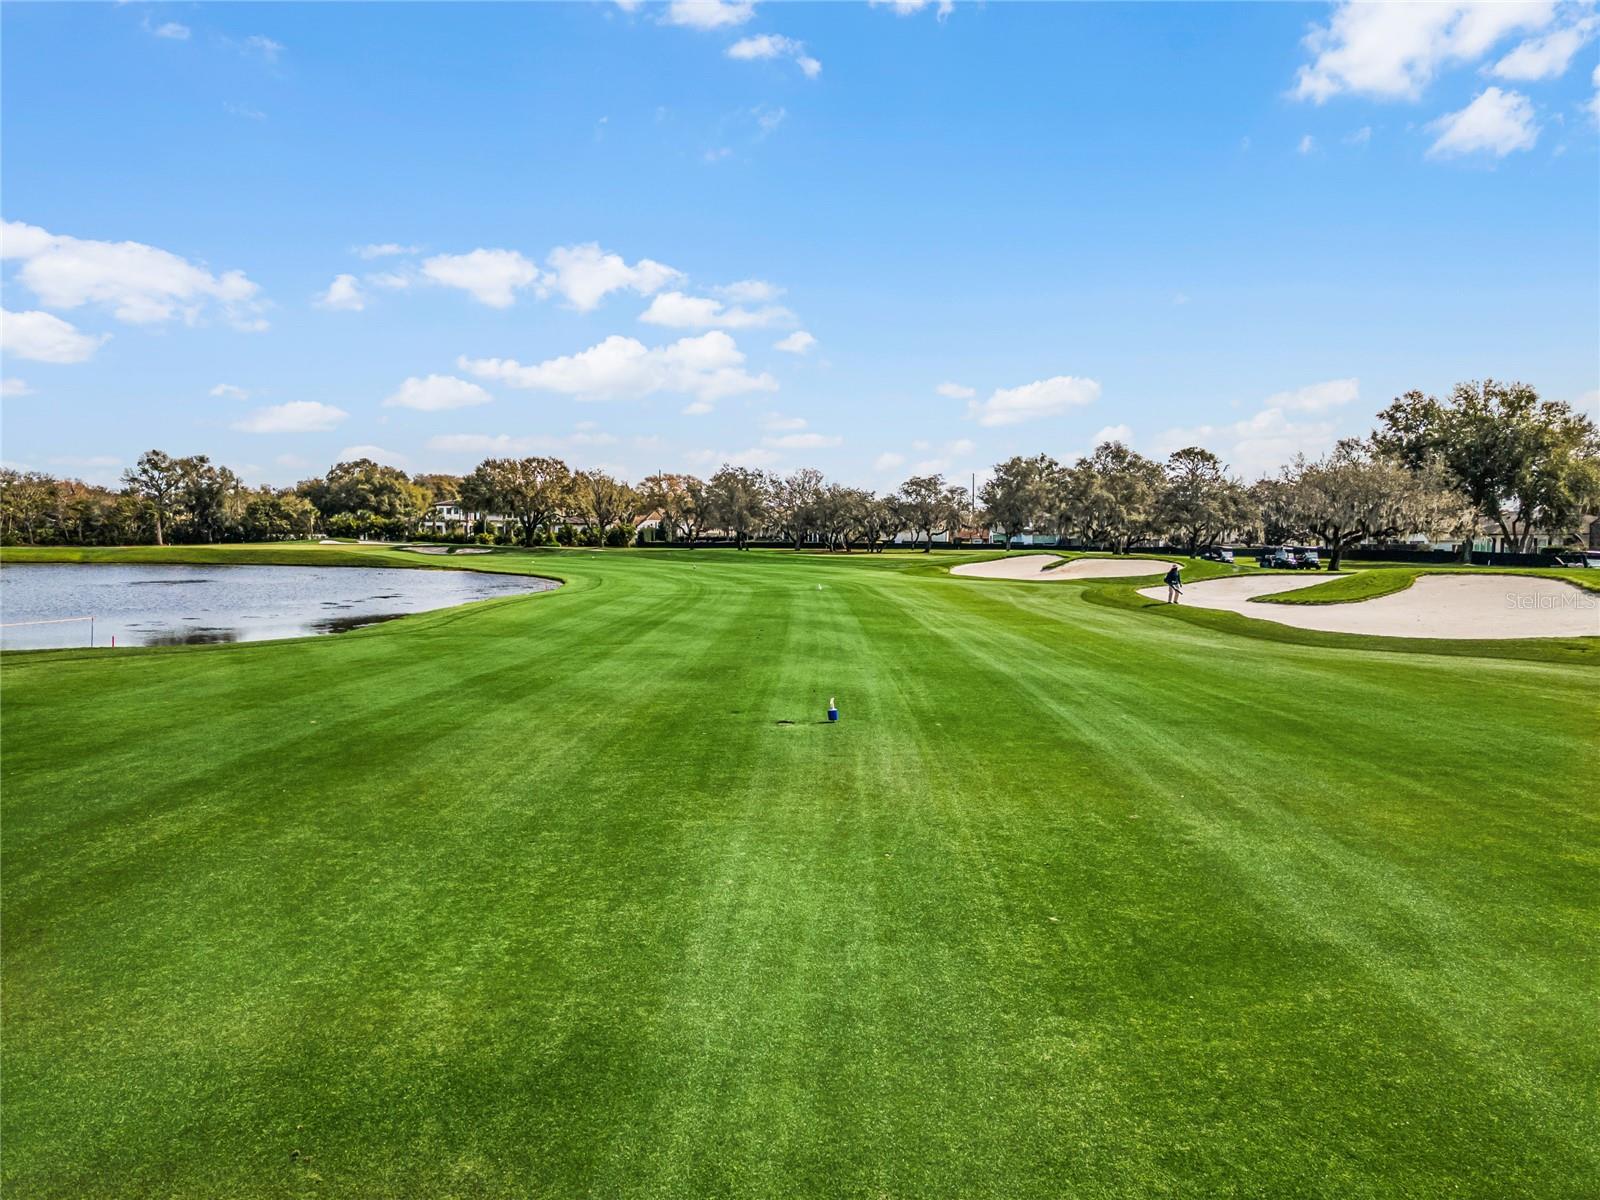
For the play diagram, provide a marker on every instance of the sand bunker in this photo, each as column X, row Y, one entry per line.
column 1032, row 566
column 447, row 549
column 1435, row 606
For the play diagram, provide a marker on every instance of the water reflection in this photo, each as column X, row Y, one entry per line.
column 346, row 624
column 43, row 606
column 190, row 637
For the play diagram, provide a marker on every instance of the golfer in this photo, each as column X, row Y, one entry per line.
column 1174, row 585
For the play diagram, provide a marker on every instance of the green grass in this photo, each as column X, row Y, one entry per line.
column 1346, row 589
column 1367, row 583
column 538, row 898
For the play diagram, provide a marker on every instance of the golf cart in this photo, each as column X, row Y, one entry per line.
column 1219, row 554
column 1289, row 558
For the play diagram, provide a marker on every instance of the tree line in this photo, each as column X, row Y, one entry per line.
column 1488, row 452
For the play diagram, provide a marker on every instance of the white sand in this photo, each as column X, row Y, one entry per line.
column 447, row 549
column 1032, row 566
column 1435, row 606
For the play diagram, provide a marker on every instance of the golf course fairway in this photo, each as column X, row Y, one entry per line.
column 579, row 894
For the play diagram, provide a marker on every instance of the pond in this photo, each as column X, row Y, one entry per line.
column 42, row 606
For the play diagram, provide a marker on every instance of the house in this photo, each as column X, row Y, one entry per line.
column 1490, row 540
column 647, row 527
column 1032, row 536
column 913, row 537
column 448, row 516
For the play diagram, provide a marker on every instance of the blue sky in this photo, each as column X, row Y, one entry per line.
column 870, row 238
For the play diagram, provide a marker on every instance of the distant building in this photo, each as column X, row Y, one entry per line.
column 910, row 537
column 1031, row 536
column 648, row 525
column 449, row 517
column 1490, row 540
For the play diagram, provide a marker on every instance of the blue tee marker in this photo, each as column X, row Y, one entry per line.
column 833, row 710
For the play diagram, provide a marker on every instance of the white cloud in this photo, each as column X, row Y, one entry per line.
column 1112, row 433
column 1593, row 106
column 482, row 443
column 343, row 293
column 904, row 8
column 956, row 391
column 1393, row 50
column 1257, row 445
column 490, row 277
column 755, row 456
column 768, row 119
column 802, row 441
column 717, row 154
column 227, row 391
column 1496, row 122
column 888, row 461
column 1317, row 397
column 585, row 275
column 750, row 291
column 709, row 14
column 395, row 281
column 375, row 453
column 86, row 460
column 947, row 457
column 11, row 387
column 674, row 310
column 1359, row 137
column 1033, row 401
column 170, row 29
column 775, row 45
column 707, row 367
column 780, row 422
column 384, row 250
column 436, row 393
column 1546, row 57
column 1300, row 421
column 140, row 283
column 297, row 416
column 798, row 342
column 245, row 111
column 504, row 443
column 1307, row 144
column 43, row 338
column 264, row 46
column 696, row 408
